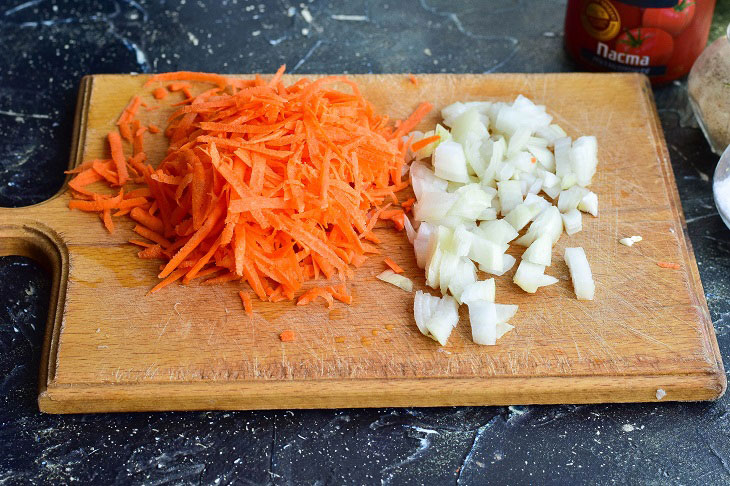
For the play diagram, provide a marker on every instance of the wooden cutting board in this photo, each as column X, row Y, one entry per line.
column 110, row 348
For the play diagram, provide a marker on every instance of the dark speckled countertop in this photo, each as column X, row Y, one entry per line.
column 45, row 48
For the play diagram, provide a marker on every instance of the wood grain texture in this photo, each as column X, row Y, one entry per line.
column 110, row 348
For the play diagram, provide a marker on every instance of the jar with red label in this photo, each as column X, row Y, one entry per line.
column 660, row 38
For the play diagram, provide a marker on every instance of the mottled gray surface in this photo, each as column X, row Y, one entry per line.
column 47, row 46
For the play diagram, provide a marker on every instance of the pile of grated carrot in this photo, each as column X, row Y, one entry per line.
column 269, row 184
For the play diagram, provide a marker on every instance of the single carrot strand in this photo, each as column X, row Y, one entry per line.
column 115, row 144
column 144, row 218
column 393, row 266
column 424, row 142
column 413, row 80
column 413, row 120
column 176, row 275
column 246, row 300
column 674, row 266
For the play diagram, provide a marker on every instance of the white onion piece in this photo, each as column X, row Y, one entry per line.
column 529, row 277
column 449, row 162
column 562, row 156
column 410, row 232
column 568, row 181
column 570, row 198
column 535, row 187
column 580, row 273
column 584, row 159
column 439, row 238
column 488, row 214
column 424, row 180
column 444, row 319
column 539, row 200
column 452, row 111
column 499, row 231
column 420, row 244
column 518, row 141
column 505, row 312
column 540, row 251
column 544, row 156
column 399, row 281
column 505, row 172
column 487, row 254
column 548, row 222
column 573, row 221
column 493, row 152
column 448, row 268
column 461, row 241
column 483, row 318
column 471, row 202
column 432, row 207
column 508, row 261
column 538, row 142
column 465, row 275
column 523, row 162
column 589, row 204
column 522, row 214
column 510, row 195
column 482, row 290
column 424, row 305
column 503, row 328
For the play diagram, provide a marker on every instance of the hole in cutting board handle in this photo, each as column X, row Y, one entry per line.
column 43, row 245
column 78, row 135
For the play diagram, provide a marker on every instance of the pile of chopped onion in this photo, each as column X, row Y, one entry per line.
column 495, row 169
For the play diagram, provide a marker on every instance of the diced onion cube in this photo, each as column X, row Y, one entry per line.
column 580, row 273
column 573, row 221
column 449, row 162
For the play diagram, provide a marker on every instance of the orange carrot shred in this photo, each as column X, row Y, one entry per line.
column 287, row 336
column 115, row 143
column 424, row 142
column 393, row 266
column 413, row 80
column 246, row 300
column 674, row 266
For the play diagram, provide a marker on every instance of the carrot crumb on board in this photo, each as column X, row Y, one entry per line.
column 263, row 183
column 246, row 301
column 675, row 266
column 287, row 336
column 375, row 332
column 397, row 216
column 408, row 204
column 159, row 93
column 413, row 80
column 339, row 339
column 389, row 327
column 393, row 266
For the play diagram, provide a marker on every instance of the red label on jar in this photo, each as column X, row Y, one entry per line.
column 660, row 38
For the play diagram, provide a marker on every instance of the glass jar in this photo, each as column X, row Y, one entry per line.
column 709, row 92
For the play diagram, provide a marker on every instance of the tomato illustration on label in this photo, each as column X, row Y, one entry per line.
column 672, row 19
column 649, row 42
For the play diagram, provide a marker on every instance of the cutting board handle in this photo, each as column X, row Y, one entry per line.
column 21, row 235
column 28, row 232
